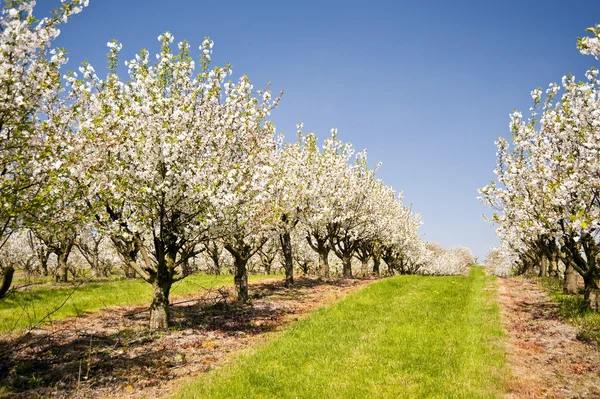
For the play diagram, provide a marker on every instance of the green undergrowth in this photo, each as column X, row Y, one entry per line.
column 24, row 309
column 402, row 337
column 572, row 309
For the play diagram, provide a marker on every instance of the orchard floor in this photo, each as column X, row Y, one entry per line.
column 112, row 354
column 546, row 358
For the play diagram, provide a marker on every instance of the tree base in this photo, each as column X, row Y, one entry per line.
column 570, row 283
column 592, row 299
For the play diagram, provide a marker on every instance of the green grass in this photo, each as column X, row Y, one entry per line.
column 403, row 337
column 24, row 309
column 572, row 309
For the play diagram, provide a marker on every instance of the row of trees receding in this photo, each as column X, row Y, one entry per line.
column 173, row 160
column 548, row 188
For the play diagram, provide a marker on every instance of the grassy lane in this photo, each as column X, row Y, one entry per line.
column 24, row 309
column 408, row 336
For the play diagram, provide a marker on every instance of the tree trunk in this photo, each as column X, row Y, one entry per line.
column 44, row 265
column 554, row 265
column 528, row 268
column 94, row 267
column 286, row 246
column 7, row 277
column 324, row 263
column 347, row 264
column 592, row 293
column 305, row 268
column 570, row 280
column 130, row 259
column 129, row 271
column 241, row 279
column 592, row 299
column 62, row 266
column 376, row 262
column 160, row 313
column 543, row 267
column 364, row 266
column 216, row 264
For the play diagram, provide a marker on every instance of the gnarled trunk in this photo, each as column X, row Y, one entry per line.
column 160, row 312
column 215, row 255
column 44, row 264
column 241, row 279
column 129, row 271
column 570, row 280
column 347, row 267
column 7, row 277
column 528, row 268
column 364, row 267
column 324, row 263
column 376, row 262
column 592, row 299
column 554, row 265
column 543, row 267
column 63, row 268
column 286, row 246
column 320, row 246
column 592, row 293
column 162, row 280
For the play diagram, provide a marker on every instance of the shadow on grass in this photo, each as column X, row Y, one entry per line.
column 573, row 309
column 115, row 349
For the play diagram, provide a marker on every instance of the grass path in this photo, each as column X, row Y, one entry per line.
column 24, row 309
column 407, row 336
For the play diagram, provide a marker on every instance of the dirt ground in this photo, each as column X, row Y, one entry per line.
column 546, row 358
column 112, row 354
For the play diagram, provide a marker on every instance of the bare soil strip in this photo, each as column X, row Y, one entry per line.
column 112, row 354
column 547, row 359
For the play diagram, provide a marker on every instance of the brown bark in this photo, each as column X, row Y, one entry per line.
column 286, row 246
column 364, row 267
column 554, row 265
column 44, row 264
column 592, row 293
column 63, row 268
column 347, row 267
column 324, row 263
column 159, row 309
column 241, row 279
column 129, row 271
column 528, row 268
column 344, row 248
column 592, row 299
column 7, row 277
column 162, row 279
column 543, row 267
column 570, row 280
column 215, row 254
column 241, row 253
column 320, row 246
column 376, row 262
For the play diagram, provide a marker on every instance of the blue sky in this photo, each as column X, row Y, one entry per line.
column 425, row 86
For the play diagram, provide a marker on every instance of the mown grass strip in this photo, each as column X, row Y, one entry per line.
column 404, row 337
column 22, row 310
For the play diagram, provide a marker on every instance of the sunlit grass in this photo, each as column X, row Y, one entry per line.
column 404, row 337
column 24, row 309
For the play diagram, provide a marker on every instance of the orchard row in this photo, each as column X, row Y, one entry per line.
column 173, row 160
column 548, row 189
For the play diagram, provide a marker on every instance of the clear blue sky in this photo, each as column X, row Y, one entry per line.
column 426, row 86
